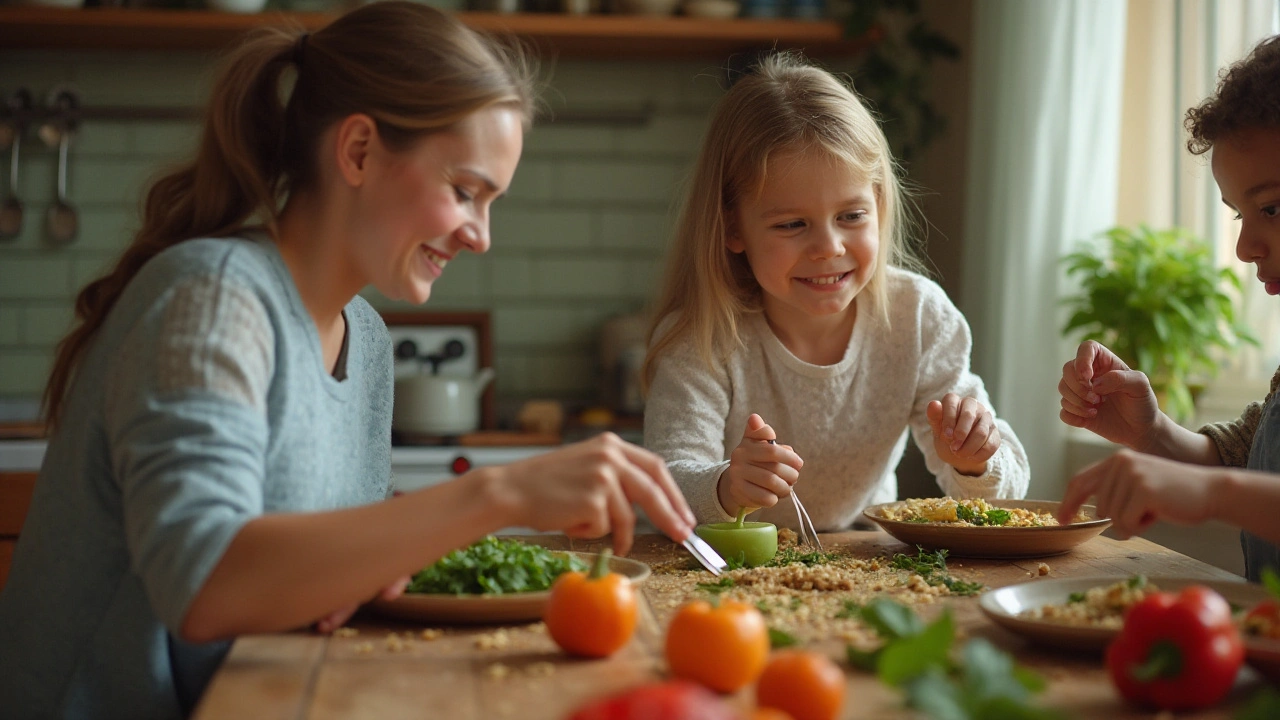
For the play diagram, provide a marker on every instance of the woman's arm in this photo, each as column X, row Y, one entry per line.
column 283, row 571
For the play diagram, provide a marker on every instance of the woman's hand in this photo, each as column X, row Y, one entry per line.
column 1101, row 394
column 965, row 435
column 338, row 618
column 759, row 472
column 587, row 489
column 1135, row 490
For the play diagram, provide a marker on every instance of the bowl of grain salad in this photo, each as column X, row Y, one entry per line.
column 974, row 527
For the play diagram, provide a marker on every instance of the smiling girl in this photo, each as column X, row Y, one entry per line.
column 221, row 451
column 787, row 300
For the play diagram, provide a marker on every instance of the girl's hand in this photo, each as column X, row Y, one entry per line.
column 965, row 435
column 1101, row 394
column 759, row 472
column 338, row 618
column 587, row 490
column 1135, row 490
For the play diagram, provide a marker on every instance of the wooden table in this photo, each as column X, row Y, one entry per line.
column 297, row 675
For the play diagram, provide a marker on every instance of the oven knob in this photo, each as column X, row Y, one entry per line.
column 460, row 465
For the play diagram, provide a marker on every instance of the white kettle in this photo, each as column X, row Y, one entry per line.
column 439, row 404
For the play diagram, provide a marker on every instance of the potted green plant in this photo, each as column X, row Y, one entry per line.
column 1157, row 300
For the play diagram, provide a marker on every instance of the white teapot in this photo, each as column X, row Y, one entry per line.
column 435, row 404
column 440, row 404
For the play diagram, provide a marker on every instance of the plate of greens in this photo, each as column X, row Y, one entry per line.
column 495, row 580
column 986, row 528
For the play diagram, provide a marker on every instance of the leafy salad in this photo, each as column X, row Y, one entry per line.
column 494, row 566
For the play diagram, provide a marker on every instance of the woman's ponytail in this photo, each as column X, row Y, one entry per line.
column 236, row 175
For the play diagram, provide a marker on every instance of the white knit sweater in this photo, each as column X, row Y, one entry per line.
column 848, row 421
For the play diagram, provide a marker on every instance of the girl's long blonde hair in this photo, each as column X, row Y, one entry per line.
column 784, row 104
column 413, row 69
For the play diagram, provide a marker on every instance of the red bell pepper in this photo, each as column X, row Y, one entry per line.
column 1176, row 652
column 675, row 700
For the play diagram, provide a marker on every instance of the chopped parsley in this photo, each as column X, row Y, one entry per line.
column 932, row 566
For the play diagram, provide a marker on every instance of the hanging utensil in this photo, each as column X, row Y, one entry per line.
column 19, row 104
column 62, row 223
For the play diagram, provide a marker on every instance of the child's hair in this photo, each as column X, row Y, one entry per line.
column 1247, row 96
column 413, row 69
column 784, row 104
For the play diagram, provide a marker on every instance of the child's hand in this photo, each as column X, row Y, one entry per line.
column 965, row 435
column 1135, row 490
column 759, row 472
column 1101, row 394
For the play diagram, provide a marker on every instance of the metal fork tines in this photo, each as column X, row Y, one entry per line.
column 705, row 554
column 809, row 536
column 802, row 515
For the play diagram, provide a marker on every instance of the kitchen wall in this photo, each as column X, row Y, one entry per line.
column 579, row 238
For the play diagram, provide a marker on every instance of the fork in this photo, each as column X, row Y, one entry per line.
column 802, row 517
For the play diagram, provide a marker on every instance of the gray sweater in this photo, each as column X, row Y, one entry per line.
column 848, row 421
column 202, row 403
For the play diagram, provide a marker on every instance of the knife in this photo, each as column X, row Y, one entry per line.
column 705, row 554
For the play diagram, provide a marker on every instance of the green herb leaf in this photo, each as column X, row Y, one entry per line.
column 1264, row 705
column 891, row 620
column 1137, row 581
column 1271, row 581
column 494, row 566
column 851, row 610
column 717, row 587
column 862, row 659
column 1076, row 597
column 936, row 696
column 781, row 638
column 911, row 656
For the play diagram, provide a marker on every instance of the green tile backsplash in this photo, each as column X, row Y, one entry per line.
column 578, row 239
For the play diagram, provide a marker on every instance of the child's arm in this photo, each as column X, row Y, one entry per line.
column 945, row 382
column 1101, row 394
column 1136, row 489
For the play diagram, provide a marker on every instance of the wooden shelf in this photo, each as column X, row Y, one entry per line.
column 592, row 36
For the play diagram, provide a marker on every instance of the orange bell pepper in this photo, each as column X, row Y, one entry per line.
column 592, row 614
column 722, row 647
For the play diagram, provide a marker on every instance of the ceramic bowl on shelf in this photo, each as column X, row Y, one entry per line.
column 722, row 9
column 649, row 7
column 238, row 6
column 54, row 3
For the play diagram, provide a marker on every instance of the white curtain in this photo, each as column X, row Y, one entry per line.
column 1044, row 150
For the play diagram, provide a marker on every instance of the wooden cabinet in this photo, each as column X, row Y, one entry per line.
column 15, row 498
column 603, row 37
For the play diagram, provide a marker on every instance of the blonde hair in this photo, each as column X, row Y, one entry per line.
column 414, row 69
column 785, row 104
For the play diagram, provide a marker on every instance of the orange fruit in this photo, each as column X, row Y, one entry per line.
column 805, row 685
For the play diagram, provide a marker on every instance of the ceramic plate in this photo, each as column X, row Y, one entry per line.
column 491, row 609
column 1005, row 607
column 993, row 542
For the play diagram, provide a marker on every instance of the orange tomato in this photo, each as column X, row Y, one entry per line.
column 722, row 647
column 806, row 685
column 765, row 713
column 591, row 614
